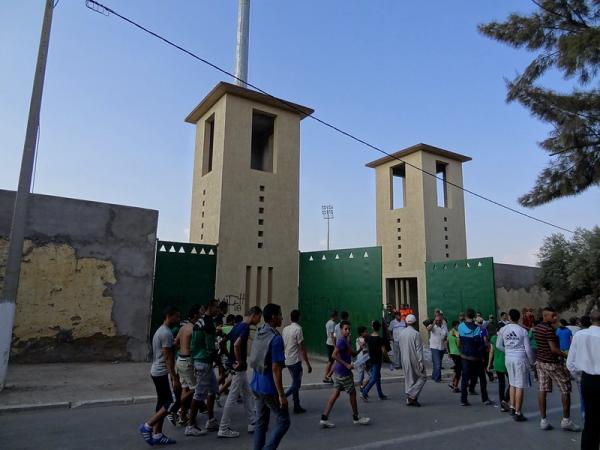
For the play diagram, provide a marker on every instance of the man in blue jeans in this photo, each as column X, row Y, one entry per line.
column 437, row 344
column 376, row 346
column 267, row 359
column 293, row 340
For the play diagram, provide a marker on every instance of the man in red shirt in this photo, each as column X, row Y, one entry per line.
column 551, row 367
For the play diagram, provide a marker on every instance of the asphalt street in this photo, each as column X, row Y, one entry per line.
column 439, row 423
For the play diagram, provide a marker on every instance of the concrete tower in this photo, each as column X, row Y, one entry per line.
column 246, row 192
column 419, row 219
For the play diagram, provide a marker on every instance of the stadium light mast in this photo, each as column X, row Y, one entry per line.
column 327, row 211
column 241, row 49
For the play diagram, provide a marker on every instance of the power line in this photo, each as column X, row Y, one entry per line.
column 104, row 10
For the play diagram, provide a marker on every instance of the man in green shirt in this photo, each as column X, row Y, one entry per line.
column 454, row 353
column 496, row 361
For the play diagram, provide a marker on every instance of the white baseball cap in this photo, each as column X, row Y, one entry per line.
column 411, row 318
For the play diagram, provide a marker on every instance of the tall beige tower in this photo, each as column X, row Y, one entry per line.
column 419, row 219
column 246, row 192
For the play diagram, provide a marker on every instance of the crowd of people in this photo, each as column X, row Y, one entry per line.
column 205, row 358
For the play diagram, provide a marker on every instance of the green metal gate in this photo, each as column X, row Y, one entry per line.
column 347, row 279
column 454, row 286
column 184, row 275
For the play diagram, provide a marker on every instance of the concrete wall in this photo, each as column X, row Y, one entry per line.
column 516, row 287
column 85, row 290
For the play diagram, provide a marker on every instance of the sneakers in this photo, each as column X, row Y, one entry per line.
column 171, row 417
column 568, row 425
column 412, row 402
column 362, row 421
column 383, row 397
column 512, row 411
column 489, row 402
column 228, row 433
column 251, row 428
column 327, row 380
column 146, row 433
column 212, row 425
column 519, row 417
column 326, row 424
column 194, row 430
column 465, row 404
column 163, row 440
column 364, row 397
column 299, row 410
column 545, row 425
column 504, row 407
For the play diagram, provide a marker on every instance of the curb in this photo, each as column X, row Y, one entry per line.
column 142, row 399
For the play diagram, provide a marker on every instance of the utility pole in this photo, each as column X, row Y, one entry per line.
column 243, row 36
column 19, row 218
column 327, row 211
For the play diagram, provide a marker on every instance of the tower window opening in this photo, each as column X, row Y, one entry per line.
column 209, row 139
column 263, row 127
column 441, row 184
column 398, row 193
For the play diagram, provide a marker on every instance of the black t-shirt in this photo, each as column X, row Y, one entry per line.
column 374, row 343
column 241, row 330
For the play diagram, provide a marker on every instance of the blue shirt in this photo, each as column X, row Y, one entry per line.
column 345, row 353
column 471, row 340
column 242, row 331
column 264, row 383
column 564, row 338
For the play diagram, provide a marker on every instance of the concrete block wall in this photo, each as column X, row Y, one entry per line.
column 85, row 290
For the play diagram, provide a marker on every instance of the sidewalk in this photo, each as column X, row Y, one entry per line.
column 72, row 385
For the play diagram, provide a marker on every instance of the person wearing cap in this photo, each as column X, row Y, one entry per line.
column 413, row 363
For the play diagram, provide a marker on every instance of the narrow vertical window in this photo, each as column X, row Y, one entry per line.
column 263, row 127
column 398, row 191
column 209, row 139
column 270, row 285
column 441, row 185
column 248, row 282
column 258, row 284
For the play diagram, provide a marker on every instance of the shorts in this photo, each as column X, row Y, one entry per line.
column 184, row 367
column 456, row 359
column 518, row 372
column 548, row 372
column 344, row 383
column 206, row 381
column 330, row 349
column 165, row 397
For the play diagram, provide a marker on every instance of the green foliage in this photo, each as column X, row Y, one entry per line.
column 564, row 35
column 570, row 270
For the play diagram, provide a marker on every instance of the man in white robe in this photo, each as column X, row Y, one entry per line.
column 413, row 363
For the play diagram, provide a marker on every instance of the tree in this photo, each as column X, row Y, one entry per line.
column 570, row 270
column 565, row 36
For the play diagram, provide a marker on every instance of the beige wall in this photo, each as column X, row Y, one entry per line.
column 232, row 202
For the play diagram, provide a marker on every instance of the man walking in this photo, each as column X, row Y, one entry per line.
column 551, row 368
column 238, row 337
column 163, row 365
column 413, row 363
column 293, row 341
column 514, row 341
column 330, row 344
column 454, row 353
column 267, row 359
column 185, row 365
column 437, row 344
column 472, row 347
column 396, row 327
column 376, row 346
column 584, row 360
column 204, row 354
column 343, row 379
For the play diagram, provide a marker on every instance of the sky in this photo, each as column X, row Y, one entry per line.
column 394, row 73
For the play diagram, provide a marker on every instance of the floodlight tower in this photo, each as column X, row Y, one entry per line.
column 327, row 211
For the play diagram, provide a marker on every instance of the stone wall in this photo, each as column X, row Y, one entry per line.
column 516, row 287
column 85, row 291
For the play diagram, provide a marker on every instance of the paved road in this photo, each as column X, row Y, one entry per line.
column 440, row 423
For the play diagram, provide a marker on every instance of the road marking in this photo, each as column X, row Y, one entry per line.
column 443, row 431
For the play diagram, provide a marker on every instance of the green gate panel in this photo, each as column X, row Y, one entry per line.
column 184, row 276
column 455, row 285
column 346, row 279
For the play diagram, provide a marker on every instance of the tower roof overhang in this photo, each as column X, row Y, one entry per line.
column 224, row 88
column 417, row 148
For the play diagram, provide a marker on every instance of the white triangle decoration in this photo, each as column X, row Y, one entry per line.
column 479, row 264
column 311, row 259
column 181, row 250
column 172, row 249
column 202, row 251
column 337, row 256
column 194, row 252
column 211, row 252
column 162, row 249
column 366, row 255
column 351, row 256
column 468, row 265
column 323, row 258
